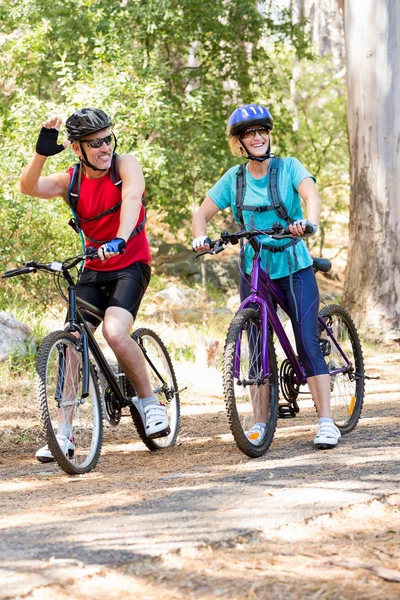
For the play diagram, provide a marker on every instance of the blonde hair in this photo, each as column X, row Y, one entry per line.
column 235, row 146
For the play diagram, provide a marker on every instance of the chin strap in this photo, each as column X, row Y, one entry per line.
column 85, row 161
column 251, row 156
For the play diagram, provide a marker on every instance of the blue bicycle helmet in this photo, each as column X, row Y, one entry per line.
column 247, row 116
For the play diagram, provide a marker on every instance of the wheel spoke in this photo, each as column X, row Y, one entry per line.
column 64, row 412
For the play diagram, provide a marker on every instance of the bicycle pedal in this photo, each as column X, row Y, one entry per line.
column 160, row 434
column 285, row 411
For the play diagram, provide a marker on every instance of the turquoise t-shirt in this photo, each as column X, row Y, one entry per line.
column 291, row 174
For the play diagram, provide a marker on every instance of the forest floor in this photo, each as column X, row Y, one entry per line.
column 201, row 520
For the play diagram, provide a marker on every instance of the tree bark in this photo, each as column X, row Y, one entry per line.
column 372, row 281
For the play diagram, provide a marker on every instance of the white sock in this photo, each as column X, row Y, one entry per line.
column 65, row 429
column 150, row 400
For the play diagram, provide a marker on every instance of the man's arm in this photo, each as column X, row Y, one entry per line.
column 32, row 183
column 132, row 192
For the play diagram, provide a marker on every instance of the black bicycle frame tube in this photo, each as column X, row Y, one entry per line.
column 99, row 357
column 76, row 322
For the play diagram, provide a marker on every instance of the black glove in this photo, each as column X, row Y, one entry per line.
column 47, row 142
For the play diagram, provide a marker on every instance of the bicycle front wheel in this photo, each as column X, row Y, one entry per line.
column 347, row 387
column 251, row 399
column 163, row 380
column 64, row 413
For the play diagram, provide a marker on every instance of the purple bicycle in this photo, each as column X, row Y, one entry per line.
column 251, row 372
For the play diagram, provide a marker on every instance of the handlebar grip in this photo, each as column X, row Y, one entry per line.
column 91, row 253
column 16, row 272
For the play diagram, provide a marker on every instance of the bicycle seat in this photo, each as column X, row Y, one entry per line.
column 322, row 264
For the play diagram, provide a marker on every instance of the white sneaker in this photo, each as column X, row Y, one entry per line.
column 67, row 446
column 327, row 436
column 156, row 420
column 256, row 433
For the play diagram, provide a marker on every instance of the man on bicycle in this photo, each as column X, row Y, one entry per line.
column 289, row 264
column 112, row 217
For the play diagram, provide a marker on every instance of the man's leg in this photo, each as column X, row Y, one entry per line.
column 117, row 326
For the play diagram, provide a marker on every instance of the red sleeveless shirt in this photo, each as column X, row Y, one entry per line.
column 96, row 196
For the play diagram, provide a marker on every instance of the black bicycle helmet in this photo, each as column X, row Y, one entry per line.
column 85, row 122
column 249, row 115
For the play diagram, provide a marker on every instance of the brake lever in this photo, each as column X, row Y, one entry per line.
column 279, row 236
column 218, row 247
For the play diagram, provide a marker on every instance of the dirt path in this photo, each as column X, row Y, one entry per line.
column 201, row 520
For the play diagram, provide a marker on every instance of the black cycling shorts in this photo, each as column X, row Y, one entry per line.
column 124, row 288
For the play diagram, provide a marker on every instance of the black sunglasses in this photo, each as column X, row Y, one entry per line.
column 251, row 132
column 98, row 142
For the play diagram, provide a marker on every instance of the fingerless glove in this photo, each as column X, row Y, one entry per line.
column 46, row 144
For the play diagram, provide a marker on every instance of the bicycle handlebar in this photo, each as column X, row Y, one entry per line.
column 276, row 232
column 53, row 267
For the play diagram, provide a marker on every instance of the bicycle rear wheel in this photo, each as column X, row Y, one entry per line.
column 249, row 399
column 347, row 388
column 62, row 410
column 163, row 380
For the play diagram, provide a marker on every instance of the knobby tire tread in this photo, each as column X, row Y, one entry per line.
column 148, row 442
column 328, row 311
column 243, row 443
column 44, row 414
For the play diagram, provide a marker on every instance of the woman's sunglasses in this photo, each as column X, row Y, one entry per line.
column 250, row 132
column 98, row 142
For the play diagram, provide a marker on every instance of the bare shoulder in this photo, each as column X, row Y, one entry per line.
column 130, row 171
column 127, row 162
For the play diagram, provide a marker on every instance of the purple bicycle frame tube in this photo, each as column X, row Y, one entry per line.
column 267, row 310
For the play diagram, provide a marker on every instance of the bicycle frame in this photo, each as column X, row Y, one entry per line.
column 88, row 342
column 263, row 293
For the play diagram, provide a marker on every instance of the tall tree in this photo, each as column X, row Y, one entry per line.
column 372, row 286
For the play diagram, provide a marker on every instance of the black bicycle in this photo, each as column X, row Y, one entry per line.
column 77, row 386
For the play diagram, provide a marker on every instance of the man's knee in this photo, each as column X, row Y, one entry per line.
column 116, row 335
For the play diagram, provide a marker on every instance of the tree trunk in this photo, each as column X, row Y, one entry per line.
column 372, row 282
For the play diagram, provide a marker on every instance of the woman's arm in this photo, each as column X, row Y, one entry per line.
column 203, row 215
column 309, row 194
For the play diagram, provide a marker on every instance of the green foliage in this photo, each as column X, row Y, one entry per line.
column 170, row 74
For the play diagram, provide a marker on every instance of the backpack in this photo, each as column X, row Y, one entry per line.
column 273, row 193
column 73, row 198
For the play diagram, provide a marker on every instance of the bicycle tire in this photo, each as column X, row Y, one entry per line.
column 167, row 394
column 239, row 402
column 54, row 373
column 347, row 389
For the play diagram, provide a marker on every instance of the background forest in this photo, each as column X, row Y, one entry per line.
column 170, row 74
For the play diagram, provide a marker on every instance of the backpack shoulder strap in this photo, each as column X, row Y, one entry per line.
column 74, row 187
column 274, row 192
column 114, row 173
column 240, row 191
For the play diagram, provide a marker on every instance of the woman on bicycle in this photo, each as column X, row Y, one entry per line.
column 288, row 263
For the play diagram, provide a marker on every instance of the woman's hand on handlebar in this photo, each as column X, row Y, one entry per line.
column 202, row 243
column 302, row 227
